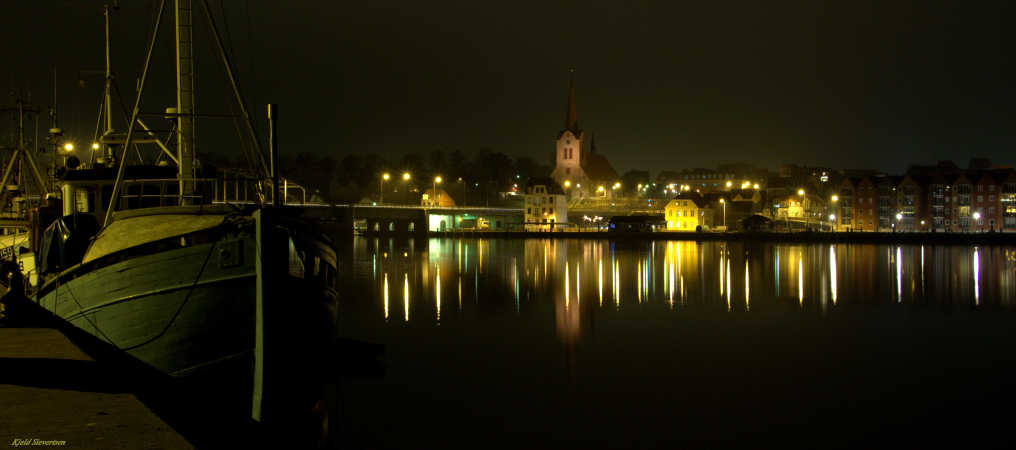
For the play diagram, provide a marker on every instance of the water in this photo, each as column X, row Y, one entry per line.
column 511, row 343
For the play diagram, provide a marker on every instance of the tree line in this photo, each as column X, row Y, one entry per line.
column 470, row 178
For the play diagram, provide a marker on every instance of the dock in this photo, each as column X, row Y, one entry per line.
column 52, row 394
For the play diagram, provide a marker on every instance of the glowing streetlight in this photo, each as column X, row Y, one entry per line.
column 384, row 177
column 95, row 145
column 729, row 184
column 977, row 216
column 69, row 147
column 899, row 216
column 800, row 192
column 617, row 185
column 724, row 203
column 433, row 191
column 567, row 184
column 755, row 186
column 836, row 198
column 832, row 217
column 405, row 176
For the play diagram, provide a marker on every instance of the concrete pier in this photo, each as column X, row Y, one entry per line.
column 52, row 392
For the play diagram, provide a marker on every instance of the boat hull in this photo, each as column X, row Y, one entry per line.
column 178, row 311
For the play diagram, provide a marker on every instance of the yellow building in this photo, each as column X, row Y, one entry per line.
column 688, row 212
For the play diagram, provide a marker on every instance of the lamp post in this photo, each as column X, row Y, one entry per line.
column 977, row 218
column 433, row 191
column 406, row 177
column 384, row 177
column 834, row 199
column 463, row 191
column 724, row 203
column 899, row 217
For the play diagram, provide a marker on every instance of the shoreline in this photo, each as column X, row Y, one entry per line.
column 804, row 237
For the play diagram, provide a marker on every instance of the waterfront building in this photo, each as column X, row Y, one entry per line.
column 689, row 211
column 545, row 205
column 580, row 172
column 442, row 200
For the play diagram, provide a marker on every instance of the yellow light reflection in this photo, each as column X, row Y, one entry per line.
column 567, row 299
column 405, row 295
column 386, row 296
column 832, row 271
column 638, row 281
column 747, row 287
column 437, row 293
column 728, row 285
column 721, row 272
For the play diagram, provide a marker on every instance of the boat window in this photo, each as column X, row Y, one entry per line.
column 84, row 199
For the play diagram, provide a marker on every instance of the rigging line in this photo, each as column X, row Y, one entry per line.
column 80, row 308
column 172, row 320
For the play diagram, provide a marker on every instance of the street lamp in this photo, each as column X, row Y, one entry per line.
column 405, row 176
column 836, row 198
column 433, row 191
column 832, row 221
column 567, row 184
column 729, row 184
column 384, row 177
column 977, row 217
column 69, row 147
column 724, row 203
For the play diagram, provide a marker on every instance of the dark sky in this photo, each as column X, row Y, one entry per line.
column 665, row 85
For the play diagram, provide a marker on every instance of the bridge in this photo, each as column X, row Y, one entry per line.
column 409, row 220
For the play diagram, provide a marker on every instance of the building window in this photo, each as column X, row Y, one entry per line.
column 980, row 198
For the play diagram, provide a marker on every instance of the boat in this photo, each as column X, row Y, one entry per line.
column 158, row 264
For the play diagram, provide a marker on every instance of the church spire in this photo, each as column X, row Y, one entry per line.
column 571, row 121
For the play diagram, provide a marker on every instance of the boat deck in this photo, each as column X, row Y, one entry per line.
column 52, row 391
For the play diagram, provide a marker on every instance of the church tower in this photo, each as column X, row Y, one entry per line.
column 570, row 149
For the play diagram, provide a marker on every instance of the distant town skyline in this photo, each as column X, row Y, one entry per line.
column 667, row 85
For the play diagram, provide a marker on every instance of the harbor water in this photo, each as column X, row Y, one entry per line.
column 540, row 342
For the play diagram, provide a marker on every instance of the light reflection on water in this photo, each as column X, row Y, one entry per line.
column 660, row 339
column 531, row 275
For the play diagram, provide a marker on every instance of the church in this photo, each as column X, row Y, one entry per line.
column 577, row 170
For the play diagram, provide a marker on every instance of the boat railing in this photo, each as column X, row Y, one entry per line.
column 236, row 189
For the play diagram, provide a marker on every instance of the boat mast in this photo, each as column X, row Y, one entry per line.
column 108, row 94
column 185, row 100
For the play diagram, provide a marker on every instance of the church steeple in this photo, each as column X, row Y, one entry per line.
column 571, row 120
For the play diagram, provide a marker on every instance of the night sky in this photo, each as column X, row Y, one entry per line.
column 664, row 85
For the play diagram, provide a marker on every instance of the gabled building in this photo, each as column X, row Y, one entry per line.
column 581, row 171
column 545, row 206
column 689, row 211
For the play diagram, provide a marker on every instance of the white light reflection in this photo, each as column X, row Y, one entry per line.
column 977, row 276
column 800, row 282
column 617, row 285
column 899, row 275
column 832, row 271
